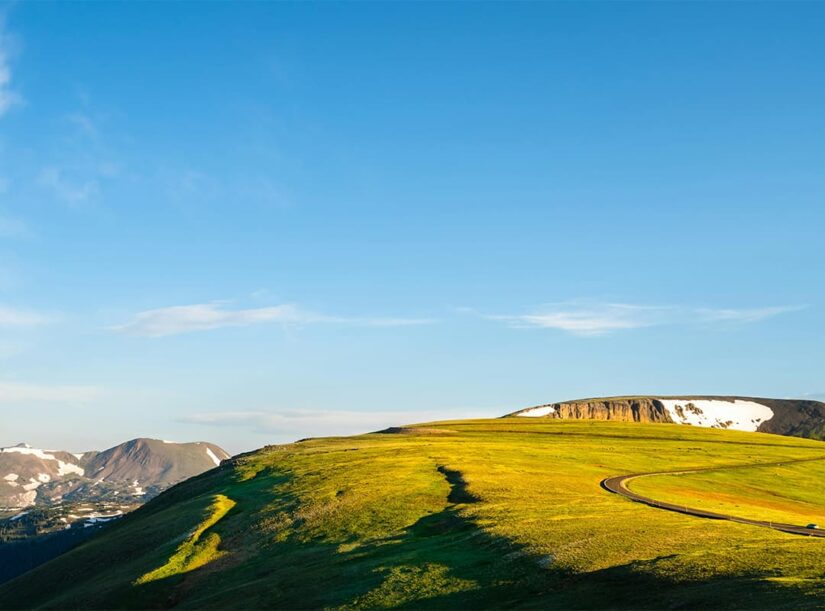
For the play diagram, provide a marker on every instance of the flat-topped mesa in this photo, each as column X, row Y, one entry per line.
column 622, row 410
column 798, row 418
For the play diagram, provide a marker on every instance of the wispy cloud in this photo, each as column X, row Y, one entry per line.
column 593, row 319
column 72, row 191
column 84, row 122
column 293, row 424
column 188, row 184
column 12, row 392
column 746, row 315
column 14, row 317
column 8, row 96
column 586, row 320
column 192, row 188
column 206, row 316
column 85, row 165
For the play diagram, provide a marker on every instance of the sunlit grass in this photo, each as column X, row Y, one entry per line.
column 793, row 493
column 367, row 522
column 197, row 550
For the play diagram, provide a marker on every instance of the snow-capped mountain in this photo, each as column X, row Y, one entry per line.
column 24, row 469
column 152, row 463
column 51, row 501
column 130, row 471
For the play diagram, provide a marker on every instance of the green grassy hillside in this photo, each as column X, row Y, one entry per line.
column 790, row 493
column 480, row 513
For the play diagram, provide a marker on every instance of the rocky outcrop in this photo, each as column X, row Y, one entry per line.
column 622, row 410
column 795, row 417
column 792, row 417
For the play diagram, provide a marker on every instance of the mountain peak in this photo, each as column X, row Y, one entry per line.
column 30, row 476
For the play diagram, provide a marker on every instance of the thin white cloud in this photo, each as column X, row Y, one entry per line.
column 203, row 317
column 294, row 424
column 84, row 122
column 190, row 187
column 9, row 98
column 81, row 174
column 593, row 319
column 746, row 315
column 12, row 392
column 206, row 316
column 13, row 317
column 382, row 322
column 73, row 192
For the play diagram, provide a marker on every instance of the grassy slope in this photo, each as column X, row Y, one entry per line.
column 790, row 493
column 513, row 517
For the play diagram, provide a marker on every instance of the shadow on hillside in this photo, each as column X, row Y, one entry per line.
column 458, row 486
column 505, row 575
column 628, row 587
column 445, row 560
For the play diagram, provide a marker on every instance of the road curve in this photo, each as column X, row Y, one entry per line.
column 617, row 485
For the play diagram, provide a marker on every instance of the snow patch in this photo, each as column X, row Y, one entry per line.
column 536, row 412
column 99, row 518
column 739, row 415
column 27, row 498
column 24, row 449
column 63, row 468
column 32, row 485
column 214, row 458
column 11, row 477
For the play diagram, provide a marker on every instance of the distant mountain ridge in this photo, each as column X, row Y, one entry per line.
column 153, row 462
column 50, row 501
column 136, row 468
column 791, row 417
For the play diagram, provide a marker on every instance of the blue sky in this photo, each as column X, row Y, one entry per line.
column 250, row 223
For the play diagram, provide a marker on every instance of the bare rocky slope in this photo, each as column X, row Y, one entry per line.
column 793, row 417
column 152, row 462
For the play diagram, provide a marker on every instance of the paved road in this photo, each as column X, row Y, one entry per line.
column 618, row 485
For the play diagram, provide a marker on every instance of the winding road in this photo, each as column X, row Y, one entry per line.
column 618, row 485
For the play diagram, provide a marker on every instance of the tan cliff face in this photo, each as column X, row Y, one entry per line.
column 622, row 410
